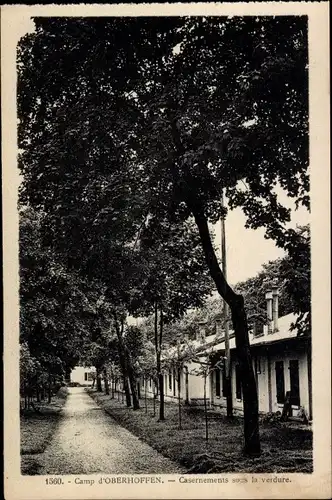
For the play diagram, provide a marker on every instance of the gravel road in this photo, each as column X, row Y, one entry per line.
column 88, row 441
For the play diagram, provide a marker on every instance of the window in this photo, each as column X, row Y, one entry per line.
column 280, row 381
column 294, row 382
column 238, row 382
column 85, row 376
column 174, row 381
column 217, row 378
column 170, row 381
column 150, row 383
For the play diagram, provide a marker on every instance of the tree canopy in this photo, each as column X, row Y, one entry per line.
column 140, row 118
column 59, row 310
column 132, row 124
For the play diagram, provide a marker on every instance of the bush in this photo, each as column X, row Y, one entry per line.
column 62, row 393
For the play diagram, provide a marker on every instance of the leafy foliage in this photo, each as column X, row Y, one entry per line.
column 230, row 106
column 291, row 275
column 57, row 308
column 135, row 138
column 172, row 270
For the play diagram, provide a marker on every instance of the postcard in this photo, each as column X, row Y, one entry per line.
column 166, row 250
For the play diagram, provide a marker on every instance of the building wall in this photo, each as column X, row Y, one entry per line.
column 82, row 375
column 261, row 367
column 196, row 384
column 146, row 386
column 264, row 365
column 171, row 385
column 303, row 379
column 219, row 400
column 191, row 383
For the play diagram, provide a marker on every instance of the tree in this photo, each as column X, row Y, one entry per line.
column 202, row 155
column 60, row 312
column 173, row 278
column 296, row 269
column 227, row 110
column 52, row 307
column 145, row 365
column 29, row 367
column 291, row 274
column 204, row 357
column 138, row 352
column 96, row 352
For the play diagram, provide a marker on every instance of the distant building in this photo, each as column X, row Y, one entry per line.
column 82, row 375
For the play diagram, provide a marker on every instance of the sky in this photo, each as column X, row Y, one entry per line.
column 247, row 250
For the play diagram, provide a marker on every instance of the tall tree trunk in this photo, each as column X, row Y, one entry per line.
column 113, row 385
column 132, row 379
column 98, row 378
column 124, row 391
column 107, row 387
column 179, row 396
column 67, row 375
column 37, row 394
column 205, row 411
column 49, row 387
column 122, row 359
column 154, row 398
column 158, row 341
column 227, row 368
column 132, row 382
column 236, row 304
column 229, row 396
column 228, row 383
column 161, row 396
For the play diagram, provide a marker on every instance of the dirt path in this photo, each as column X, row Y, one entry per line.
column 88, row 441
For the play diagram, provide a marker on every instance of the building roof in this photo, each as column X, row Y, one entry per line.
column 217, row 341
column 284, row 332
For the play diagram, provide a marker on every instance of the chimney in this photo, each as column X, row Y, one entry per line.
column 275, row 307
column 269, row 299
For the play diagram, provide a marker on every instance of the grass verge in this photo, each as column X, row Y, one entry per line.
column 37, row 429
column 285, row 448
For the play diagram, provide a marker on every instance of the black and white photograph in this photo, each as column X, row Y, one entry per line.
column 164, row 221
